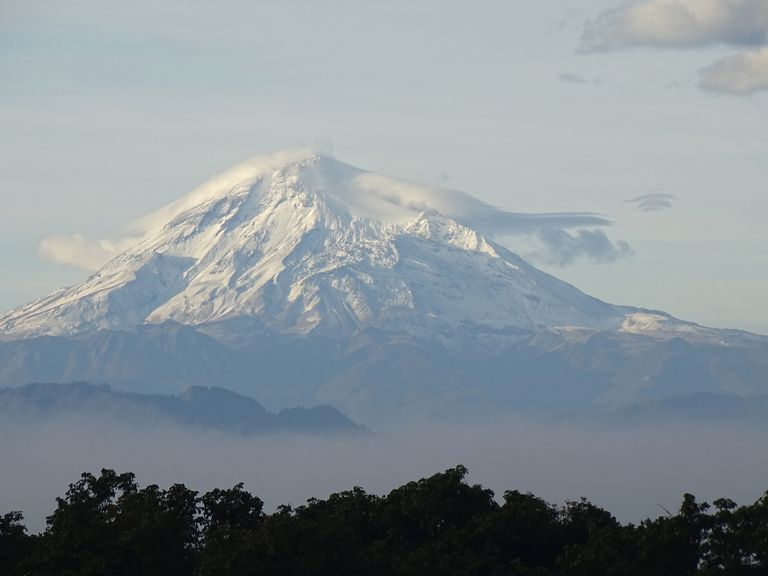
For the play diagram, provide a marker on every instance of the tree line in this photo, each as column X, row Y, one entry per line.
column 441, row 525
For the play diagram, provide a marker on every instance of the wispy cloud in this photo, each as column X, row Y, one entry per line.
column 652, row 202
column 692, row 23
column 80, row 252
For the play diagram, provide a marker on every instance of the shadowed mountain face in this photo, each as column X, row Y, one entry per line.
column 198, row 407
column 297, row 279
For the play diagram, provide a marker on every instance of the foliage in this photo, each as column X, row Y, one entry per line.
column 108, row 525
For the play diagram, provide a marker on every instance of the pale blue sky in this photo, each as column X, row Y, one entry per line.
column 110, row 109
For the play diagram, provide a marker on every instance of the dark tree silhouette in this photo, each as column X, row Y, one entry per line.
column 107, row 525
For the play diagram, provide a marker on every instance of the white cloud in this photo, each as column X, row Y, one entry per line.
column 79, row 252
column 740, row 74
column 675, row 23
column 692, row 23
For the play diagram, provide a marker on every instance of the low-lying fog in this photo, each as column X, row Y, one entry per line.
column 630, row 471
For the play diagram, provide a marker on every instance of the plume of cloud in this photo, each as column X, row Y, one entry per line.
column 692, row 23
column 557, row 245
column 80, row 252
column 741, row 74
column 460, row 206
column 652, row 202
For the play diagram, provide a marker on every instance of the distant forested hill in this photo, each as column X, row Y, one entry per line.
column 198, row 407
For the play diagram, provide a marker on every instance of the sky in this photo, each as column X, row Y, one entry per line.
column 651, row 113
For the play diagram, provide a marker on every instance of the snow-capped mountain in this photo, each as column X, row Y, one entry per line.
column 297, row 279
column 305, row 243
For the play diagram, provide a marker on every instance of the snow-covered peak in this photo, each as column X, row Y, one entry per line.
column 346, row 190
column 302, row 242
column 235, row 181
